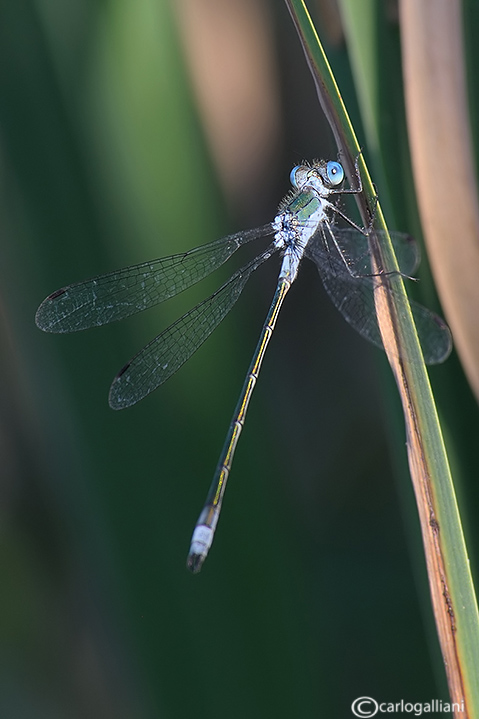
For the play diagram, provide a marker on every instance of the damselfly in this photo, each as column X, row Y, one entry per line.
column 303, row 227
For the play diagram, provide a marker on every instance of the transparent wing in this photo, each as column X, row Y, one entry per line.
column 122, row 293
column 164, row 355
column 354, row 248
column 354, row 298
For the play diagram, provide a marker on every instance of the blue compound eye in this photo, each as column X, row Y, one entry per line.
column 292, row 176
column 335, row 173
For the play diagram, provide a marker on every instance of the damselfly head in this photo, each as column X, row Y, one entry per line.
column 327, row 174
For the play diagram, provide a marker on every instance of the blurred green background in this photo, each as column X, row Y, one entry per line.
column 131, row 129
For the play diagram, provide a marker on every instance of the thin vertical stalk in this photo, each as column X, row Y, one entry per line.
column 452, row 592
